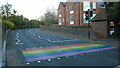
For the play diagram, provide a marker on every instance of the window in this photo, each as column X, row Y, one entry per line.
column 71, row 7
column 71, row 19
column 60, row 20
column 86, row 6
column 67, row 9
column 59, row 13
column 94, row 5
column 63, row 19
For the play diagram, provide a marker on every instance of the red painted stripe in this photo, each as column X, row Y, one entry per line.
column 69, row 54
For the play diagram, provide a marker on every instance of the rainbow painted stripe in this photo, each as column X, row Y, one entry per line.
column 44, row 53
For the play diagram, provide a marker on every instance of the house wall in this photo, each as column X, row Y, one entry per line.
column 78, row 13
column 62, row 10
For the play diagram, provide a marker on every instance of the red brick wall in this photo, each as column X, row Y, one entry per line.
column 78, row 13
column 62, row 8
column 100, row 29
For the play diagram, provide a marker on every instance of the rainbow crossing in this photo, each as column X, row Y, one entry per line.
column 45, row 53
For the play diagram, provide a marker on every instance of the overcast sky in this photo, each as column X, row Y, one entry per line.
column 32, row 9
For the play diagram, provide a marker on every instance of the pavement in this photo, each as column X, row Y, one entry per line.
column 0, row 46
column 36, row 39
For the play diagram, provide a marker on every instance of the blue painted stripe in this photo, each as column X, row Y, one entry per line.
column 57, row 53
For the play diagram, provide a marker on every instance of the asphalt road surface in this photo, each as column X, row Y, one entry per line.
column 34, row 39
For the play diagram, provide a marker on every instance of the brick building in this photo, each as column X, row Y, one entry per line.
column 73, row 13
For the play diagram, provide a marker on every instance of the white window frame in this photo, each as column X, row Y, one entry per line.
column 72, row 21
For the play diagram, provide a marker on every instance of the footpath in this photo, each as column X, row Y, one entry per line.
column 0, row 46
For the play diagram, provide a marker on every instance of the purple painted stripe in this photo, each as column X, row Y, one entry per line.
column 69, row 54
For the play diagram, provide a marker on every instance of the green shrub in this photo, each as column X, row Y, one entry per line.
column 8, row 24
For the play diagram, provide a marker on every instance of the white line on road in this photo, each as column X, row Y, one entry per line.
column 39, row 37
column 65, row 40
column 18, row 40
column 56, row 41
column 51, row 40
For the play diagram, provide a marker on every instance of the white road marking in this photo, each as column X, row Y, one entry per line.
column 57, row 41
column 49, row 40
column 58, row 58
column 65, row 40
column 18, row 40
column 39, row 37
column 28, row 63
column 39, row 61
column 49, row 60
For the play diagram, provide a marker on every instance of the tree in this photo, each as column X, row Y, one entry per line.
column 113, row 14
column 6, row 10
column 50, row 17
column 35, row 23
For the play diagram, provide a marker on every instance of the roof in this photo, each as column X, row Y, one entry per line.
column 63, row 3
column 101, row 15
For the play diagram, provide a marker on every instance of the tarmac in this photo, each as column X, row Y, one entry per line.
column 34, row 38
column 79, row 34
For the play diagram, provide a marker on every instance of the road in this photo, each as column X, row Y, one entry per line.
column 37, row 48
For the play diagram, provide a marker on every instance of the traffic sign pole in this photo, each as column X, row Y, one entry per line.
column 89, row 28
